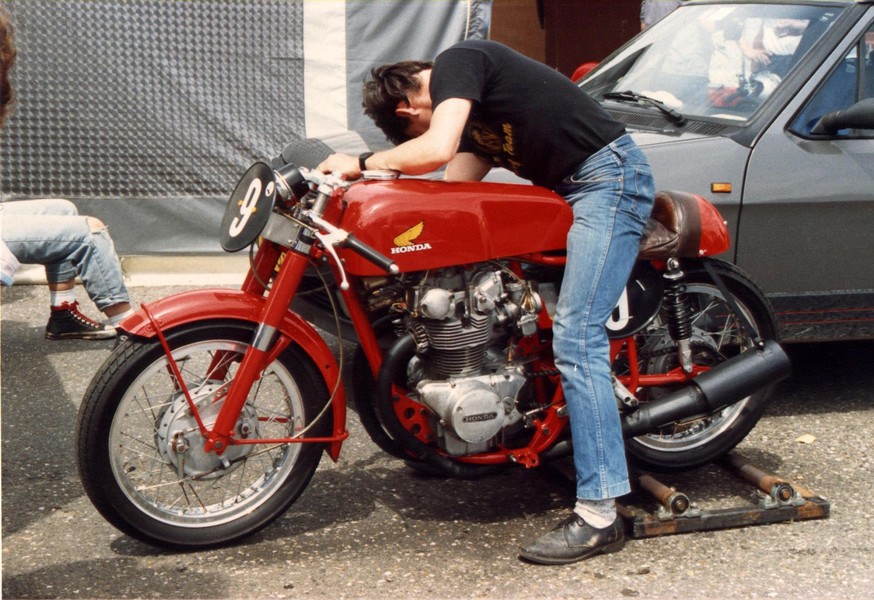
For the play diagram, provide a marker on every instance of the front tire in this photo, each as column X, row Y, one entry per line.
column 717, row 336
column 140, row 454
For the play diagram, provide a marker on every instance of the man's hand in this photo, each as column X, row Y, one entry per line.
column 342, row 165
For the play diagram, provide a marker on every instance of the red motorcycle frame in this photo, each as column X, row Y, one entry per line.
column 369, row 231
column 373, row 206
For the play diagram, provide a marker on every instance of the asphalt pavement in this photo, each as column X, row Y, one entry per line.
column 369, row 527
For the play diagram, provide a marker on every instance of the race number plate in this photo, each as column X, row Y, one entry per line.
column 249, row 208
column 639, row 303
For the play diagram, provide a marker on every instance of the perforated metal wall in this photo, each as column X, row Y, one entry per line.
column 145, row 112
column 149, row 98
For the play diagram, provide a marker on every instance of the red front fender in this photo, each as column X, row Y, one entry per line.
column 199, row 305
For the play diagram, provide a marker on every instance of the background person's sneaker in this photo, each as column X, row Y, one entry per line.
column 68, row 323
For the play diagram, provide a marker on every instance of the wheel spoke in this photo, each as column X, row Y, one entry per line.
column 162, row 438
column 142, row 448
column 717, row 335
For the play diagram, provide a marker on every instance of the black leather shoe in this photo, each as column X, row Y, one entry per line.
column 574, row 540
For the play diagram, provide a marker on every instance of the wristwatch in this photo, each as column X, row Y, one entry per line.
column 362, row 158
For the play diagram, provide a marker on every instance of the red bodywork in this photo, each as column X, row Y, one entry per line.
column 425, row 224
column 428, row 224
column 714, row 232
column 421, row 224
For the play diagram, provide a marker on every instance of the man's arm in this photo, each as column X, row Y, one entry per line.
column 428, row 152
column 466, row 166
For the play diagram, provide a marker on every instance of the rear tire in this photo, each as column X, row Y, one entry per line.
column 717, row 336
column 140, row 454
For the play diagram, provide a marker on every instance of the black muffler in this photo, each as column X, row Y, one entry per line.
column 725, row 384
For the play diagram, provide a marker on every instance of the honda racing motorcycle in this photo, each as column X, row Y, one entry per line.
column 209, row 418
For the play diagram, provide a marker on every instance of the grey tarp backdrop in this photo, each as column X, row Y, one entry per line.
column 146, row 112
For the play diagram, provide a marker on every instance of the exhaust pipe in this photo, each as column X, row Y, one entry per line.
column 725, row 384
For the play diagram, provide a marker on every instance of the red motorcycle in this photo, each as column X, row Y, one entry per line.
column 210, row 416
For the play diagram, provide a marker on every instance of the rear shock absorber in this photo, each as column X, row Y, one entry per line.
column 676, row 304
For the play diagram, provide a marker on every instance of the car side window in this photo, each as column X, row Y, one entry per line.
column 852, row 80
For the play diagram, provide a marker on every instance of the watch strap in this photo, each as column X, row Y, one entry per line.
column 362, row 158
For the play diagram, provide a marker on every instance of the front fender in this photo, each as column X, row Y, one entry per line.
column 197, row 305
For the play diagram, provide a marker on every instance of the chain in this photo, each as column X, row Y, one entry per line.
column 696, row 346
column 656, row 353
column 545, row 373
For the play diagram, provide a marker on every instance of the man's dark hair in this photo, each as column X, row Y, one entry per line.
column 390, row 85
column 7, row 60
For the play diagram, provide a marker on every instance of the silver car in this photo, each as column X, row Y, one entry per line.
column 766, row 109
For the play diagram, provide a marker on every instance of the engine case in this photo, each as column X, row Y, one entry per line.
column 473, row 410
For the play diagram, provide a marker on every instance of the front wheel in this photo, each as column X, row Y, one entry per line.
column 717, row 335
column 140, row 452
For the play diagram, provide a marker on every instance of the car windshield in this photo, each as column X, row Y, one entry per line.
column 719, row 61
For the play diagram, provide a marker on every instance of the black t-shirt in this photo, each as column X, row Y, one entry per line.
column 526, row 117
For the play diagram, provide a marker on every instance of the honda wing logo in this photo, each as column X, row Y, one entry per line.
column 406, row 242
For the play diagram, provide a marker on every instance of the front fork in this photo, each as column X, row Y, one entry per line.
column 262, row 350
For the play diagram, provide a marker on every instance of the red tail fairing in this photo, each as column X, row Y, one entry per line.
column 714, row 232
column 683, row 225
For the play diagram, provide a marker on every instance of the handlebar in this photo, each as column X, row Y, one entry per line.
column 325, row 185
column 326, row 182
column 377, row 258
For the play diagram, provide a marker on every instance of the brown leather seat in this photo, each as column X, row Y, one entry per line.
column 674, row 228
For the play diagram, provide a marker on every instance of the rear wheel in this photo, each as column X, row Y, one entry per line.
column 140, row 451
column 717, row 336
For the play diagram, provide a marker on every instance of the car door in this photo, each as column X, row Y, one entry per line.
column 808, row 202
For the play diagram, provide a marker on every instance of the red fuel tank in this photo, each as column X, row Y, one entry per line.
column 427, row 224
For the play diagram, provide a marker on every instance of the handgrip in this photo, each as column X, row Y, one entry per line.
column 372, row 255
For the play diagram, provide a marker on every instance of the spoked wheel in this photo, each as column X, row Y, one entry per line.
column 141, row 454
column 717, row 336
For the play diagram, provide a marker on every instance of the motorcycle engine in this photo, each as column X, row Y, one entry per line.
column 463, row 323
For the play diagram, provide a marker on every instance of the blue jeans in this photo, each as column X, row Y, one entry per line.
column 611, row 195
column 53, row 234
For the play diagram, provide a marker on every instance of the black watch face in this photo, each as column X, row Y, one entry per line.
column 249, row 208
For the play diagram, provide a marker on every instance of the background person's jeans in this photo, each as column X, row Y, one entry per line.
column 611, row 195
column 53, row 234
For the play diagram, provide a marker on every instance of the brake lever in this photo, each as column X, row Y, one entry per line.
column 348, row 239
column 328, row 240
column 334, row 236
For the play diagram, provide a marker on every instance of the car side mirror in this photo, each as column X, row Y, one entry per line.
column 858, row 116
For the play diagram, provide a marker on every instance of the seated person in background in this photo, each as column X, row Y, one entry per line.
column 53, row 234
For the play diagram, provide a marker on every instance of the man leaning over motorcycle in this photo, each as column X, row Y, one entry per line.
column 479, row 105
